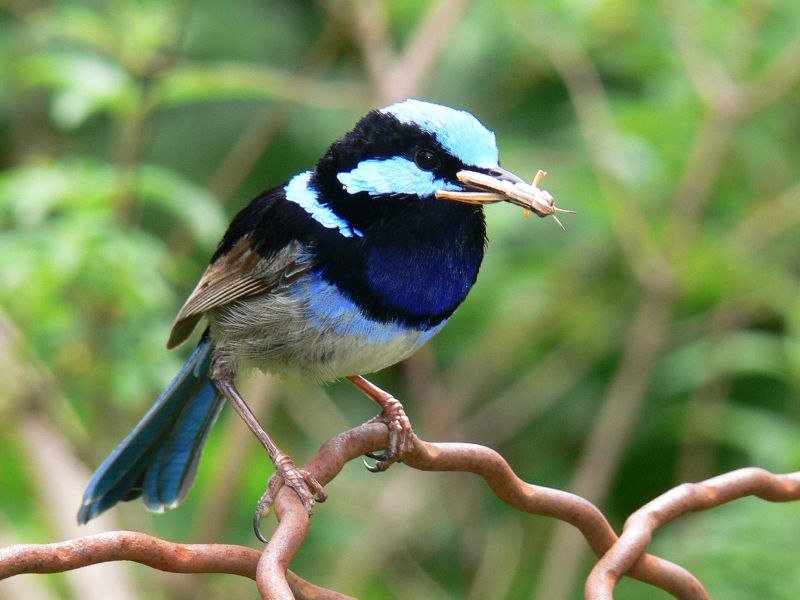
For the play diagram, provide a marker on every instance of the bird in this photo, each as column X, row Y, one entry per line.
column 344, row 269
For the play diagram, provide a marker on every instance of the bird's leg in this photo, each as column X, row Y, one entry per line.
column 394, row 416
column 302, row 482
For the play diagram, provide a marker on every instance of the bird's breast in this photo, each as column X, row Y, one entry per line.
column 425, row 281
column 424, row 268
column 313, row 329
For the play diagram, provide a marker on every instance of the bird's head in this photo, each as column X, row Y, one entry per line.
column 415, row 150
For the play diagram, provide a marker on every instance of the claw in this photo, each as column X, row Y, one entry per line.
column 381, row 465
column 265, row 504
column 371, row 468
column 400, row 438
column 257, row 525
column 303, row 483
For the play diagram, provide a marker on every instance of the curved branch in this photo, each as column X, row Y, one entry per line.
column 128, row 545
column 620, row 556
column 688, row 497
column 150, row 551
column 473, row 458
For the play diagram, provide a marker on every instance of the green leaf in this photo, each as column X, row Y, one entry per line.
column 82, row 85
column 30, row 194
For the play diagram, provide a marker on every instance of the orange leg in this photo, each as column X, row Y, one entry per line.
column 394, row 416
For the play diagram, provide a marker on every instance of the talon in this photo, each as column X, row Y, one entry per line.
column 307, row 488
column 400, row 437
column 380, row 465
column 265, row 504
column 320, row 495
column 371, row 468
column 257, row 528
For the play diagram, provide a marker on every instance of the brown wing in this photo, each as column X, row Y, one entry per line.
column 241, row 273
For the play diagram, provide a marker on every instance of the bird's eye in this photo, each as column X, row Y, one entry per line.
column 427, row 160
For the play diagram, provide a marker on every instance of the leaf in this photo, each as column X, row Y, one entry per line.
column 82, row 85
column 28, row 195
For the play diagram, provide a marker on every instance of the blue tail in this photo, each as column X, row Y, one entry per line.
column 158, row 460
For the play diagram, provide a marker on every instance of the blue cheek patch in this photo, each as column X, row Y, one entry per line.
column 299, row 191
column 461, row 134
column 330, row 310
column 396, row 175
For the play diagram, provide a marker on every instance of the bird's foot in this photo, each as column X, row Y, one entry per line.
column 304, row 484
column 401, row 436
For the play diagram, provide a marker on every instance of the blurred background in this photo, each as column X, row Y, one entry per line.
column 656, row 341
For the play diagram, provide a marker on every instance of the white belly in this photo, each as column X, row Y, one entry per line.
column 309, row 329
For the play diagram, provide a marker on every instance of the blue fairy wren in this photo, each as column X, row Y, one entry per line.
column 343, row 270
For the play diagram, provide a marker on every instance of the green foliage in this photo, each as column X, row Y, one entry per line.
column 130, row 133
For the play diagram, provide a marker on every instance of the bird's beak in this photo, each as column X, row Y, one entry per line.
column 499, row 185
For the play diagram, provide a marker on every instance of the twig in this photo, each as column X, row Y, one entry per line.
column 678, row 501
column 424, row 47
column 727, row 102
column 252, row 143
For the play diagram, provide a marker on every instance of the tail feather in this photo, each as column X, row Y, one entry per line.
column 159, row 458
column 172, row 472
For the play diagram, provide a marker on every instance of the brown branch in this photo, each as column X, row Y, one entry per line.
column 620, row 556
column 269, row 569
column 678, row 501
column 128, row 545
column 501, row 479
column 150, row 551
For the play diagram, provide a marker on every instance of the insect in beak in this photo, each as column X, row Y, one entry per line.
column 500, row 185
